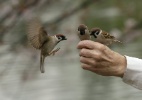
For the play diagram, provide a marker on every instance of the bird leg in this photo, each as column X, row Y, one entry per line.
column 54, row 51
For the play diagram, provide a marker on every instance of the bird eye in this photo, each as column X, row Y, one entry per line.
column 59, row 38
column 97, row 32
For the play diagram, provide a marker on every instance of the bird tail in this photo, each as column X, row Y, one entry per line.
column 42, row 63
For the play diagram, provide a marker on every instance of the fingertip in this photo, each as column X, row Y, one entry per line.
column 82, row 52
column 85, row 66
column 81, row 44
column 85, row 44
column 89, row 68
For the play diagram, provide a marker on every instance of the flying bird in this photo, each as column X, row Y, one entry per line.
column 41, row 40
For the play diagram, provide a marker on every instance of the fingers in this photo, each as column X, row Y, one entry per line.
column 91, row 65
column 90, row 45
column 88, row 61
column 88, row 67
column 85, row 66
column 86, row 53
column 92, row 62
column 85, row 44
column 97, row 70
column 95, row 55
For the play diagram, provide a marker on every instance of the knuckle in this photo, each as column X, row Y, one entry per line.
column 94, row 62
column 102, row 47
column 98, row 56
column 82, row 51
column 92, row 53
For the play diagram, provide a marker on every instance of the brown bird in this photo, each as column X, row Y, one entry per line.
column 83, row 32
column 103, row 37
column 40, row 39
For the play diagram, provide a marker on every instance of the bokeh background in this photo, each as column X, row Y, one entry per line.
column 64, row 79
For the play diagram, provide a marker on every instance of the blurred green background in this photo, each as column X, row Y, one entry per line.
column 64, row 79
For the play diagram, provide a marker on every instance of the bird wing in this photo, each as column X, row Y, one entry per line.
column 36, row 34
column 107, row 35
column 110, row 37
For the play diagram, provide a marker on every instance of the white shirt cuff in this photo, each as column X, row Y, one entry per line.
column 133, row 72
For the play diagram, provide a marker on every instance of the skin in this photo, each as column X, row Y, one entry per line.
column 101, row 60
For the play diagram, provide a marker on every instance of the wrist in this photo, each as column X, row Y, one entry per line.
column 122, row 63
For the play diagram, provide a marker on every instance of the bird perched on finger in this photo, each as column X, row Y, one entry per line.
column 83, row 32
column 103, row 37
column 40, row 39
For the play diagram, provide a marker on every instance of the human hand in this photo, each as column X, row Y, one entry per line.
column 101, row 60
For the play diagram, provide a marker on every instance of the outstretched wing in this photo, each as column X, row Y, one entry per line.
column 36, row 33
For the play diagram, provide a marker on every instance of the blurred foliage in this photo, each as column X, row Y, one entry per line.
column 109, row 14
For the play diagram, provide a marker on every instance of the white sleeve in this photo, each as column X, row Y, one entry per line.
column 133, row 72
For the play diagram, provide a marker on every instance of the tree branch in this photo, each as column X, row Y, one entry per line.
column 67, row 14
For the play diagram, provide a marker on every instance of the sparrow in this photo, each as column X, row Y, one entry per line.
column 41, row 40
column 103, row 37
column 83, row 32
